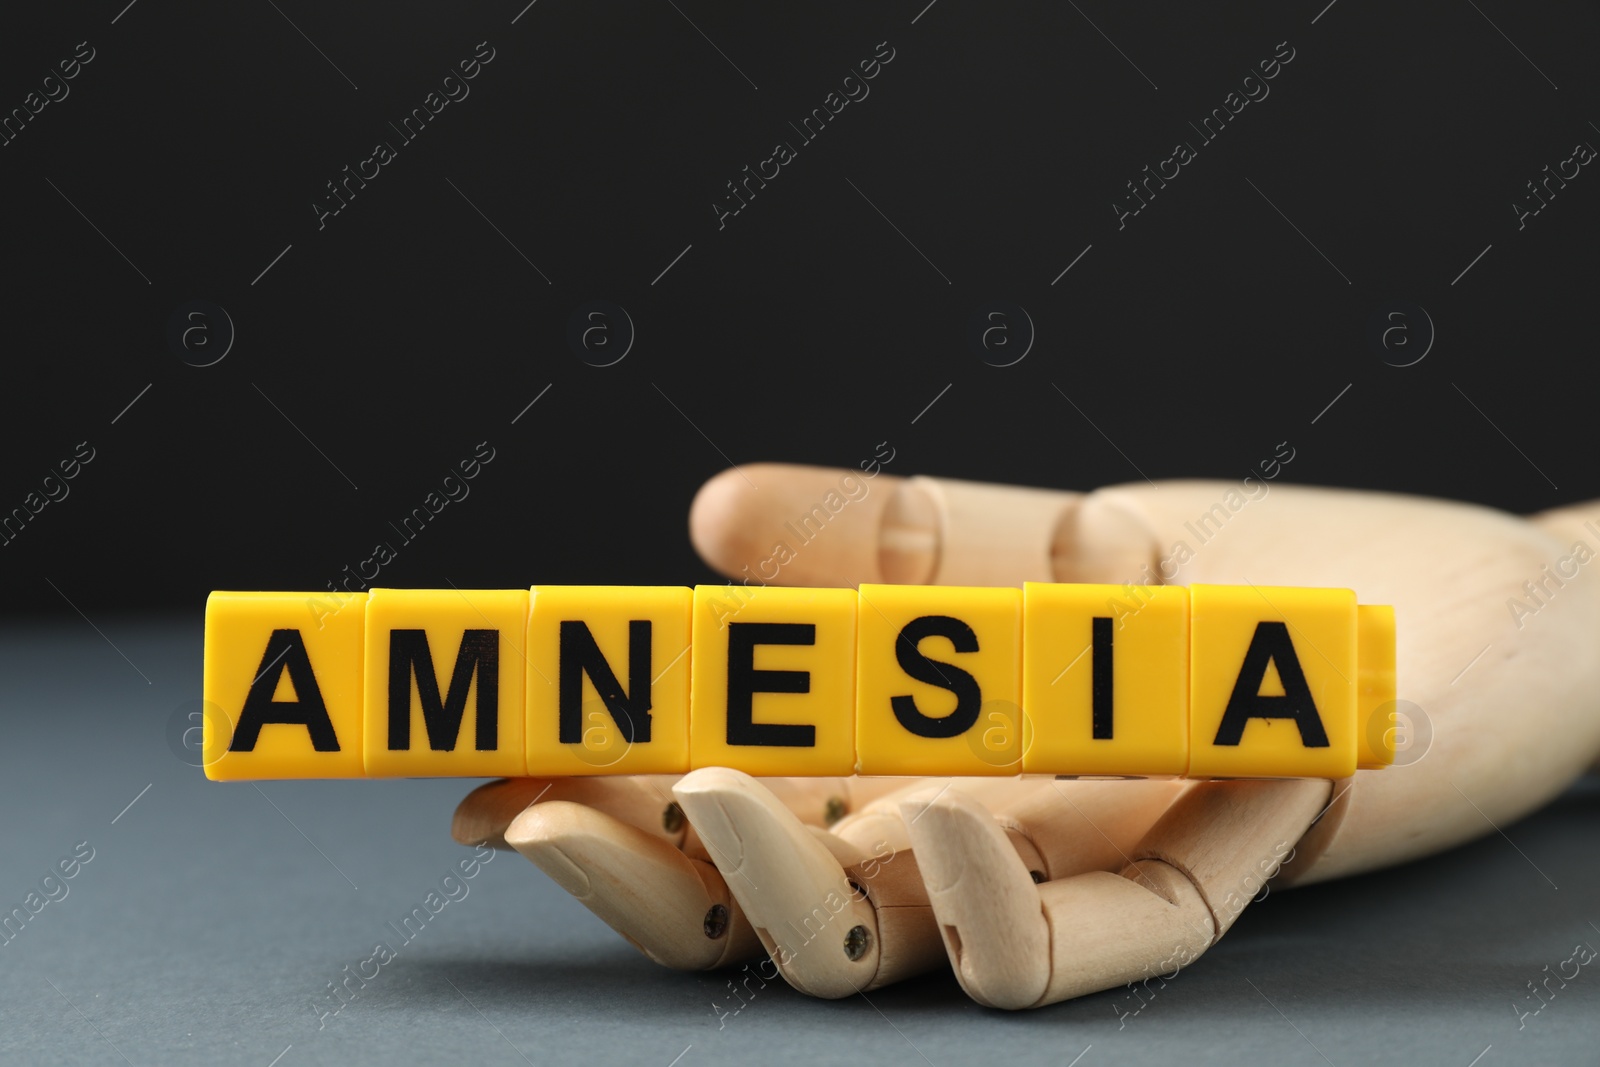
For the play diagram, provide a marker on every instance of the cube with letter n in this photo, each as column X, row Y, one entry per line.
column 608, row 680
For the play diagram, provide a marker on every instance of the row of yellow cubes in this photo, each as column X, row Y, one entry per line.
column 884, row 680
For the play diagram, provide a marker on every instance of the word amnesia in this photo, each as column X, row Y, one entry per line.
column 885, row 680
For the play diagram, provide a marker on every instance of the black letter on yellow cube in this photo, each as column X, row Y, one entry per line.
column 285, row 654
column 580, row 655
column 908, row 653
column 744, row 682
column 1271, row 647
column 410, row 656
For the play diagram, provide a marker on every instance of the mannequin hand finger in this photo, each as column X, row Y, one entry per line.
column 642, row 802
column 674, row 909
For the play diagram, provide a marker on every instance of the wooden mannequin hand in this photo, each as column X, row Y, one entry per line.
column 1038, row 890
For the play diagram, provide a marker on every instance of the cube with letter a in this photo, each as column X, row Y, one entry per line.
column 282, row 688
column 1273, row 682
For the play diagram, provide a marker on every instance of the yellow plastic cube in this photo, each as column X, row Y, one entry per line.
column 938, row 680
column 1376, row 704
column 445, row 682
column 1105, row 676
column 282, row 686
column 608, row 680
column 773, row 690
column 1273, row 682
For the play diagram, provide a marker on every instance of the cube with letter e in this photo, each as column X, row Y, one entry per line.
column 773, row 689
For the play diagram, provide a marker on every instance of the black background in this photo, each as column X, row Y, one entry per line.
column 380, row 349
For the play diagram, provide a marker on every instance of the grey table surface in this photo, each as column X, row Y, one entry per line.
column 212, row 918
